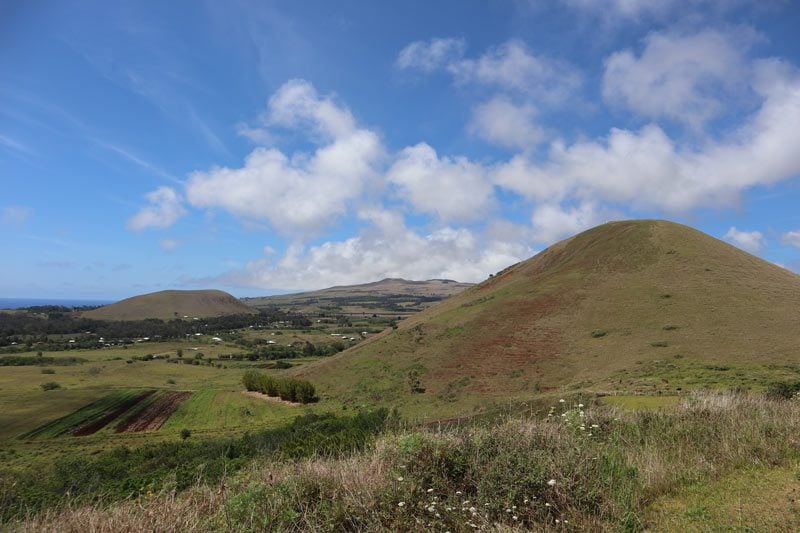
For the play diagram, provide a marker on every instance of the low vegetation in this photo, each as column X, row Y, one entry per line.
column 578, row 467
column 125, row 473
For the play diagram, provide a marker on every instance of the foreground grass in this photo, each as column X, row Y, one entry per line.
column 595, row 468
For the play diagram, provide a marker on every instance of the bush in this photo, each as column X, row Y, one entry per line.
column 599, row 333
column 170, row 381
column 48, row 371
column 186, row 433
column 781, row 390
column 50, row 385
column 289, row 389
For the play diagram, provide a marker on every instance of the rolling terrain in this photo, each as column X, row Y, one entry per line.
column 387, row 297
column 643, row 307
column 167, row 305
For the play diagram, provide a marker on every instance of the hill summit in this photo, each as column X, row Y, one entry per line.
column 167, row 305
column 599, row 310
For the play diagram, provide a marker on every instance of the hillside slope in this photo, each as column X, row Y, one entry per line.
column 167, row 305
column 617, row 307
column 391, row 296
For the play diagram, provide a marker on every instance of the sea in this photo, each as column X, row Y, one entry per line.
column 16, row 303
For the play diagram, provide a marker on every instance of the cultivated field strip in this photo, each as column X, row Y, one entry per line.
column 153, row 415
column 92, row 417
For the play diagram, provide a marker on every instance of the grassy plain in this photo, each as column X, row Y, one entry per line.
column 217, row 405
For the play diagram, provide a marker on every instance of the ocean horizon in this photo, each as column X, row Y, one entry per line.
column 18, row 303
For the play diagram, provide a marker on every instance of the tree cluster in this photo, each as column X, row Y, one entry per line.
column 288, row 389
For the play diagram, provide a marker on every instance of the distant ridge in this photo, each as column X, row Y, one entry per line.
column 589, row 311
column 389, row 296
column 167, row 305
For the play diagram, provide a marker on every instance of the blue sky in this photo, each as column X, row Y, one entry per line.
column 264, row 147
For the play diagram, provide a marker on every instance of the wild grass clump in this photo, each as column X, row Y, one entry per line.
column 578, row 468
column 288, row 389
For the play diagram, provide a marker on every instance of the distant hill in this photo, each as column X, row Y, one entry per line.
column 167, row 305
column 646, row 306
column 388, row 297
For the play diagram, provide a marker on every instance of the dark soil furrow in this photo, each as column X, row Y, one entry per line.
column 154, row 415
column 100, row 423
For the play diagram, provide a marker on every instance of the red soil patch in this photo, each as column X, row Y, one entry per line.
column 100, row 423
column 509, row 338
column 152, row 417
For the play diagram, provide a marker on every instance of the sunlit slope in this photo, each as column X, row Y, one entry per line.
column 167, row 305
column 609, row 299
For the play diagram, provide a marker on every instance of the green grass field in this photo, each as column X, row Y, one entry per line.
column 108, row 376
column 213, row 410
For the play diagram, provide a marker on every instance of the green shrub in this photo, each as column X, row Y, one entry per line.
column 50, row 385
column 781, row 390
column 288, row 389
column 48, row 371
column 186, row 433
column 599, row 333
column 659, row 344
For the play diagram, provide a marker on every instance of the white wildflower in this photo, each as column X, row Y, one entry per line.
column 552, row 482
column 401, row 504
column 400, row 478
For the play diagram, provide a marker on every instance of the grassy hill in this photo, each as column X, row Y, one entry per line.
column 167, row 305
column 646, row 307
column 388, row 297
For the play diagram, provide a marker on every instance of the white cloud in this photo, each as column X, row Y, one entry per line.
column 255, row 135
column 679, row 77
column 297, row 105
column 647, row 169
column 428, row 56
column 552, row 222
column 750, row 241
column 165, row 208
column 386, row 249
column 168, row 245
column 450, row 188
column 627, row 9
column 616, row 11
column 791, row 237
column 510, row 67
column 301, row 192
column 514, row 67
column 502, row 122
column 15, row 214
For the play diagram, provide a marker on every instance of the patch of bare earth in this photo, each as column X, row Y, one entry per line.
column 266, row 398
column 152, row 417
